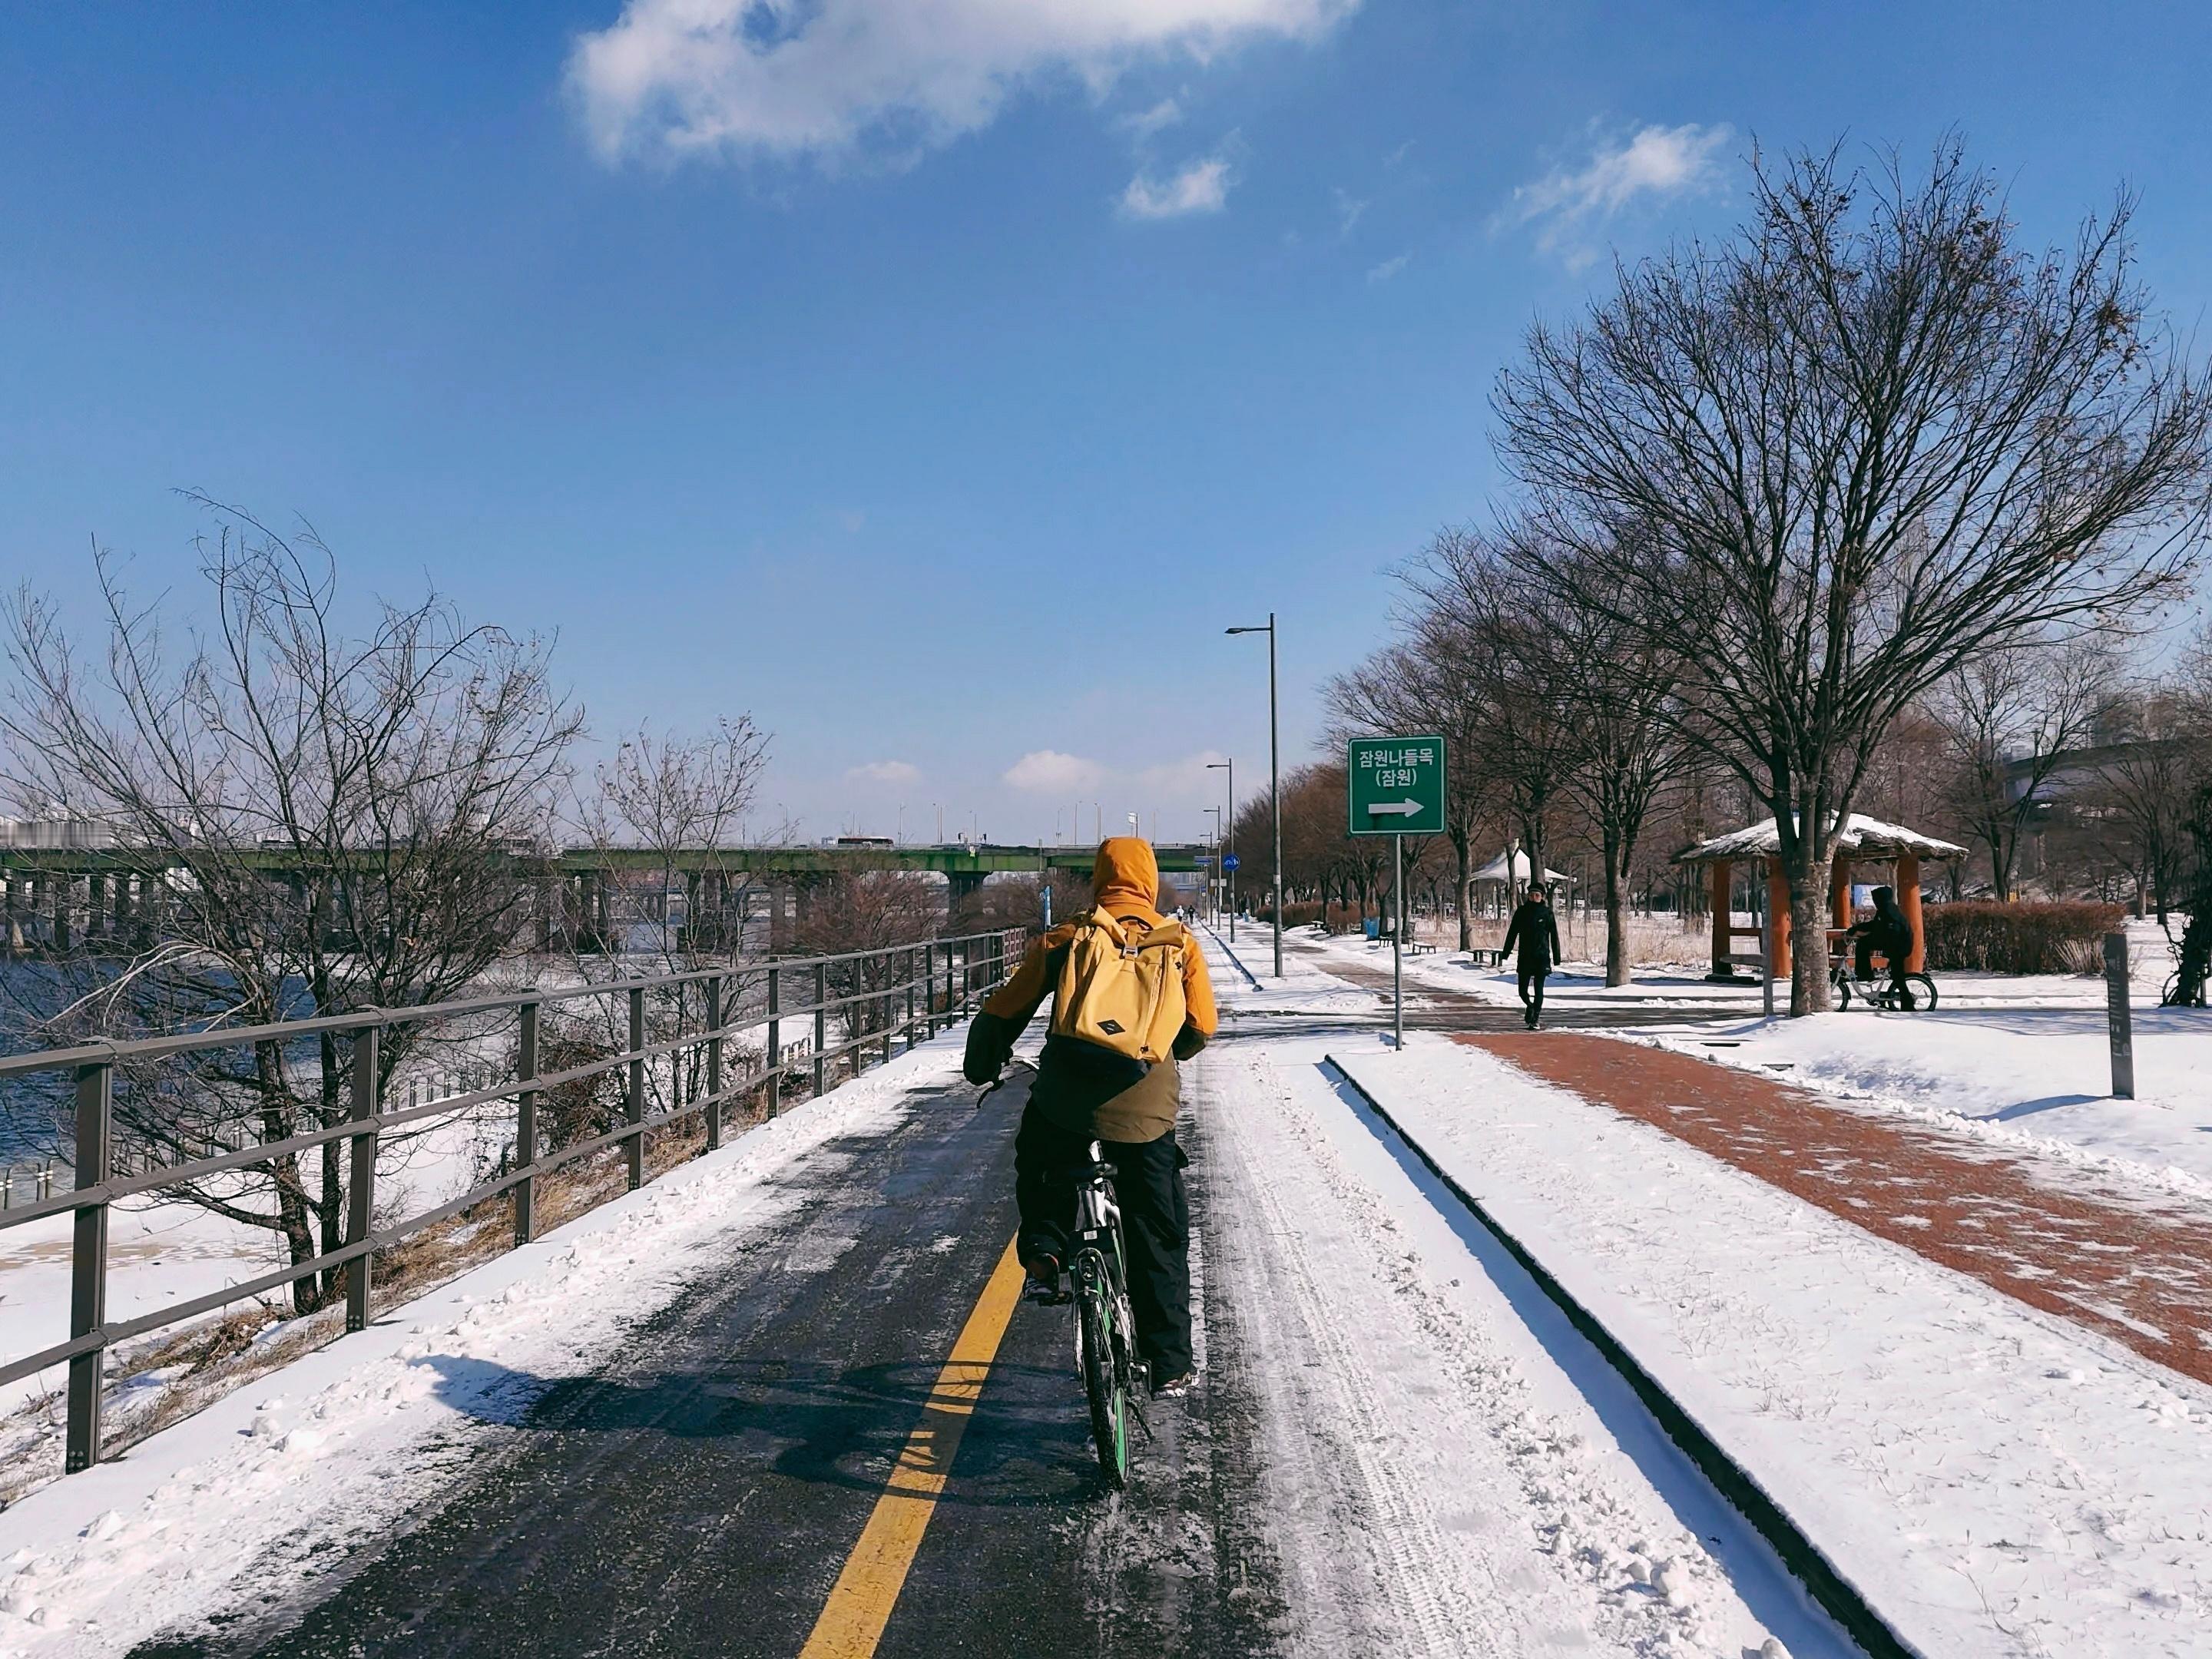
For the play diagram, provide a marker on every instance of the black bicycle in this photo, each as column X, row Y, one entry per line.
column 1105, row 1330
column 1105, row 1333
column 1878, row 992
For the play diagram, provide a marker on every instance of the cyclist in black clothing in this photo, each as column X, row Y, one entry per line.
column 1888, row 932
column 1536, row 931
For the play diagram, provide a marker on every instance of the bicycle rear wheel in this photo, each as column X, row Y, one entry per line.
column 1102, row 1379
column 1923, row 991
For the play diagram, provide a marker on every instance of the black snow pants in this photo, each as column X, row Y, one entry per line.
column 1531, row 976
column 1050, row 1162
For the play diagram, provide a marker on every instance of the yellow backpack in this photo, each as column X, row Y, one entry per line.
column 1121, row 986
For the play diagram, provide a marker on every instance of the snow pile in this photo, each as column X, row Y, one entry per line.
column 363, row 1430
column 1996, row 1481
column 2034, row 1080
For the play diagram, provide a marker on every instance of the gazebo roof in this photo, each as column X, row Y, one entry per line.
column 1863, row 837
column 1496, row 870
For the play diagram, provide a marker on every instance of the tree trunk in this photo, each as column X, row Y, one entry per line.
column 1616, row 923
column 1464, row 890
column 1809, row 936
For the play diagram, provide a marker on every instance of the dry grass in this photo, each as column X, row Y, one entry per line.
column 1657, row 941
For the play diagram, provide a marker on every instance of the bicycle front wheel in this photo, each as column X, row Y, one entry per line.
column 1101, row 1378
column 1842, row 984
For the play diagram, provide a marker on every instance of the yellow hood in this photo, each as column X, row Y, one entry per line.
column 1125, row 878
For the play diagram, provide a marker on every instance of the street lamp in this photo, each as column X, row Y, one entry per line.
column 1213, row 889
column 1275, row 781
column 1229, row 818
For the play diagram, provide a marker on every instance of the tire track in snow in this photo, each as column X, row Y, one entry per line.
column 1518, row 1532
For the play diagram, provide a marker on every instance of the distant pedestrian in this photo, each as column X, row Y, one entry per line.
column 1535, row 931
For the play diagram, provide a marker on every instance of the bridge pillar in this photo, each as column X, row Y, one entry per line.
column 960, row 887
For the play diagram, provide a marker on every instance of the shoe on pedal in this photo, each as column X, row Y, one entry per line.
column 1043, row 1278
column 1172, row 1385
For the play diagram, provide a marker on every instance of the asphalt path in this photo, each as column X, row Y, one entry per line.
column 701, row 1495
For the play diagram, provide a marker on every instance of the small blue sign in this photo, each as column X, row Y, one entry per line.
column 1229, row 863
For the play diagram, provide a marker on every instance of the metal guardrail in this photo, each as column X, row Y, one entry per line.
column 36, row 1179
column 938, row 983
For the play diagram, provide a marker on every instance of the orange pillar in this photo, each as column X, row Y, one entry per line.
column 1777, row 921
column 1908, row 900
column 1720, row 884
column 1839, row 892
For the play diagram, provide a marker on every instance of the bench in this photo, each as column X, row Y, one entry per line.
column 1486, row 956
column 1414, row 947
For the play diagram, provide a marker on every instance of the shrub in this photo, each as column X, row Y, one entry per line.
column 1983, row 937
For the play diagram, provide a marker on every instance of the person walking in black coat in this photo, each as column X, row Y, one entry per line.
column 1535, row 930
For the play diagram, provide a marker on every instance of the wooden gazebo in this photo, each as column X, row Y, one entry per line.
column 1864, row 840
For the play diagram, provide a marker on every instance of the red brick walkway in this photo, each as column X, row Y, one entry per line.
column 2142, row 1278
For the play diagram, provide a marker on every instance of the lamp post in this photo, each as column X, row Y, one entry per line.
column 1274, row 779
column 1229, row 819
column 1213, row 885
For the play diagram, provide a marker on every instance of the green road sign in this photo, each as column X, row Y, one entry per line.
column 1397, row 785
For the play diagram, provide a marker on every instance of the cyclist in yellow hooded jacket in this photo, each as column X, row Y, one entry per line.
column 1085, row 1092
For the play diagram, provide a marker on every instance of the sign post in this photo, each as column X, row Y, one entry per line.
column 1395, row 786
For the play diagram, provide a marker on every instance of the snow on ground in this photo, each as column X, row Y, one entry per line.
column 161, row 1254
column 2030, row 1079
column 1492, row 1499
column 1997, row 1481
column 366, row 1428
column 2020, row 1061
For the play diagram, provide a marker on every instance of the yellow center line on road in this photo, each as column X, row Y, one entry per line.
column 861, row 1600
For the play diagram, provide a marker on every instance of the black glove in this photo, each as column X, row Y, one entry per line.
column 990, row 1046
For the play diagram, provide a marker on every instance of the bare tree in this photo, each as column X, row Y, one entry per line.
column 670, row 812
column 2141, row 792
column 1501, row 635
column 307, row 822
column 1866, row 438
column 2008, row 719
column 1420, row 685
column 663, row 817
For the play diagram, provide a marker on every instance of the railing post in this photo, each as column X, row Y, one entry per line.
column 633, row 1107
column 525, row 1127
column 361, row 1198
column 88, row 1265
column 774, row 1038
column 715, row 1063
column 912, row 969
column 821, row 1022
column 929, row 986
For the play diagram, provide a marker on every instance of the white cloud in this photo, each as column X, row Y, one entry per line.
column 1348, row 210
column 1657, row 163
column 755, row 79
column 1049, row 772
column 1388, row 268
column 1201, row 187
column 1187, row 776
column 1160, row 116
column 887, row 771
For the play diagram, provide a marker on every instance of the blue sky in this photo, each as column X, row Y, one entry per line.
column 933, row 380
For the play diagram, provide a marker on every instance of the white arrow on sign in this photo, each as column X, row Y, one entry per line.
column 1395, row 809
